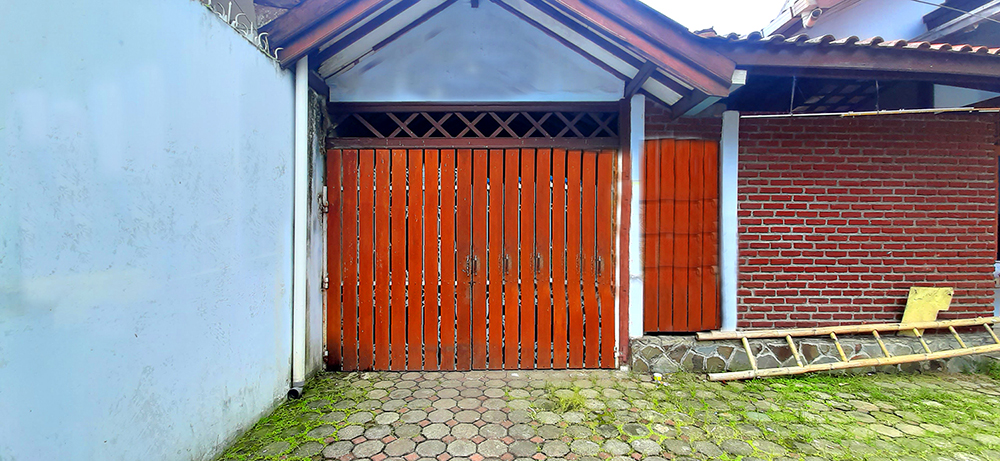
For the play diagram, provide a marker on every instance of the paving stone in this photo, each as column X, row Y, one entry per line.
column 440, row 416
column 616, row 447
column 322, row 432
column 367, row 449
column 987, row 439
column 445, row 404
column 435, row 431
column 885, row 430
column 547, row 417
column 677, row 447
column 494, row 416
column 494, row 393
column 578, row 431
column 635, row 430
column 407, row 431
column 573, row 417
column 769, row 447
column 413, row 416
column 333, row 417
column 519, row 416
column 387, row 417
column 430, row 448
column 378, row 432
column 464, row 431
column 360, row 417
column 492, row 448
column 349, row 432
column 555, row 448
column 461, row 448
column 910, row 429
column 736, row 447
column 585, row 447
column 523, row 448
column 521, row 431
column 337, row 449
column 467, row 416
column 493, row 431
column 519, row 404
column 400, row 447
column 393, row 405
column 708, row 449
column 275, row 448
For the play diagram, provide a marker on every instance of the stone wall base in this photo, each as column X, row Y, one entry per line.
column 669, row 354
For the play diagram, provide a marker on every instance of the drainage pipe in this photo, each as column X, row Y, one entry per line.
column 299, row 228
column 728, row 218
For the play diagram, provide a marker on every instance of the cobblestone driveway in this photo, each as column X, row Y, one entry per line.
column 602, row 415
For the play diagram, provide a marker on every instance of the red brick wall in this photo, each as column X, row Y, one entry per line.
column 659, row 125
column 839, row 217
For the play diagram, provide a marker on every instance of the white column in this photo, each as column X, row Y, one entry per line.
column 299, row 226
column 637, row 118
column 729, row 251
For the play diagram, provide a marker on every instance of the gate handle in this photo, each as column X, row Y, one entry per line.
column 599, row 262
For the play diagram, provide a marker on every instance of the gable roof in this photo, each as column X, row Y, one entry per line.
column 625, row 37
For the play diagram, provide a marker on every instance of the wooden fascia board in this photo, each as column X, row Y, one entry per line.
column 714, row 83
column 653, row 25
column 860, row 63
column 299, row 19
column 327, row 29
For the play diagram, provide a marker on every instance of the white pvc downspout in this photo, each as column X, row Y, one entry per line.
column 299, row 228
column 637, row 107
column 729, row 251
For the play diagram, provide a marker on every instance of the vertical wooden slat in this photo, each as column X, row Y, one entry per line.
column 463, row 217
column 366, row 260
column 560, row 344
column 543, row 246
column 414, row 273
column 682, row 246
column 527, row 279
column 651, row 230
column 448, row 259
column 431, row 283
column 510, row 242
column 397, row 298
column 350, row 259
column 479, row 243
column 334, row 232
column 665, row 259
column 589, row 254
column 696, row 247
column 709, row 291
column 574, row 259
column 494, row 265
column 382, row 318
column 606, row 265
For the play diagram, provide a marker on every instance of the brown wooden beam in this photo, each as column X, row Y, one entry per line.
column 367, row 28
column 342, row 19
column 278, row 3
column 298, row 19
column 859, row 63
column 477, row 107
column 443, row 143
column 636, row 82
column 685, row 104
column 703, row 80
column 318, row 84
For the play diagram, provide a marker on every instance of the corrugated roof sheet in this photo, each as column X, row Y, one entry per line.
column 778, row 40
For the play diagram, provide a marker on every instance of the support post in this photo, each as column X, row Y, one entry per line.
column 729, row 251
column 637, row 136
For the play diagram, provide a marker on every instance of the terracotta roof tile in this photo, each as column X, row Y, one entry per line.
column 778, row 40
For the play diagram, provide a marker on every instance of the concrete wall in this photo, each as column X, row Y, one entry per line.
column 475, row 54
column 145, row 231
column 889, row 19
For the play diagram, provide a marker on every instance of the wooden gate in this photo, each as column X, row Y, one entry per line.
column 458, row 259
column 681, row 236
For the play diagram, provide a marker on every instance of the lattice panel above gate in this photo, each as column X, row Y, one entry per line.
column 477, row 125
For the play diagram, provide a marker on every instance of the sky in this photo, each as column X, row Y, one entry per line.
column 740, row 16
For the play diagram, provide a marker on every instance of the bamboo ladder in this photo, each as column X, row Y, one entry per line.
column 845, row 362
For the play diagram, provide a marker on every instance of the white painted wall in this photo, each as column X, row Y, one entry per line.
column 466, row 54
column 145, row 231
column 889, row 19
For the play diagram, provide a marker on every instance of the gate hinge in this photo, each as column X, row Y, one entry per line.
column 326, row 282
column 324, row 204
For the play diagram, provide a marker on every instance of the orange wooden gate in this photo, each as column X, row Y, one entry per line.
column 681, row 236
column 458, row 259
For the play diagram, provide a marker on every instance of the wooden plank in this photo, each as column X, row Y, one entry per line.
column 665, row 260
column 682, row 193
column 710, row 271
column 448, row 259
column 543, row 246
column 334, row 358
column 560, row 344
column 339, row 21
column 397, row 269
column 463, row 217
column 574, row 259
column 350, row 259
column 298, row 19
column 431, row 282
column 695, row 255
column 382, row 319
column 588, row 250
column 414, row 272
column 366, row 260
column 479, row 244
column 510, row 271
column 527, row 278
column 605, row 263
column 494, row 265
column 650, row 236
